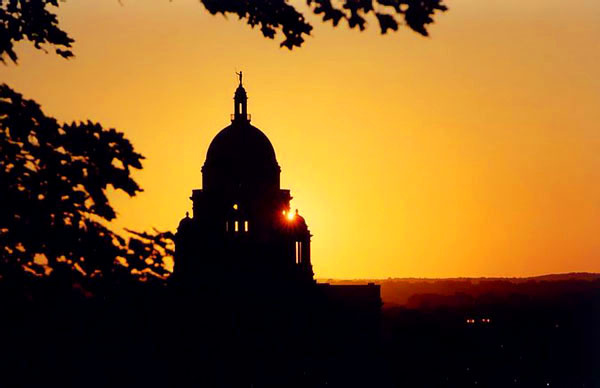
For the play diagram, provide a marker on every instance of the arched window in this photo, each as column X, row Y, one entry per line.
column 298, row 252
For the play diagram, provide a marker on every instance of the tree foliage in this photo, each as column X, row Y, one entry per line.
column 54, row 177
column 53, row 186
column 36, row 20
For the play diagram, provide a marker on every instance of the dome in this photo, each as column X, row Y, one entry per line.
column 240, row 157
column 240, row 144
column 240, row 154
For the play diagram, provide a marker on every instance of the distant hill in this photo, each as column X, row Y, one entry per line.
column 450, row 292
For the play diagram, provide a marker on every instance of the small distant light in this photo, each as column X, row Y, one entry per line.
column 235, row 206
column 290, row 216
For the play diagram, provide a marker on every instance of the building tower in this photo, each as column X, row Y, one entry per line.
column 242, row 226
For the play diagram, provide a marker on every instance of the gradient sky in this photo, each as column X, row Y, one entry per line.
column 475, row 152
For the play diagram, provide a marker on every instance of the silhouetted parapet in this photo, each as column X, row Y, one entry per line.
column 360, row 299
column 364, row 296
column 353, row 309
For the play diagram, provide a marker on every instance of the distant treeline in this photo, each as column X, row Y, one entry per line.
column 456, row 292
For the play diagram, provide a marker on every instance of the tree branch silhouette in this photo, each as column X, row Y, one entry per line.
column 55, row 176
column 54, row 191
column 36, row 21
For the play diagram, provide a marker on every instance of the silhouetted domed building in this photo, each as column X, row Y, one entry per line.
column 244, row 276
column 242, row 224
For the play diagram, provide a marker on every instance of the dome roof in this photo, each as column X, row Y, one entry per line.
column 240, row 157
column 240, row 145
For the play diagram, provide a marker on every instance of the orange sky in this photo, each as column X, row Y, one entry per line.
column 475, row 152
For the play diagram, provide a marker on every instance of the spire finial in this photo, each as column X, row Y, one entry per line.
column 240, row 102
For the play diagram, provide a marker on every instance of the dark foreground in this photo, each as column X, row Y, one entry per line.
column 535, row 334
column 499, row 334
